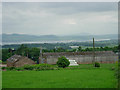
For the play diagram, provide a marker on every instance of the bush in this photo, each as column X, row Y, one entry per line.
column 19, row 68
column 39, row 67
column 10, row 68
column 97, row 64
column 3, row 68
column 63, row 62
column 28, row 67
column 36, row 67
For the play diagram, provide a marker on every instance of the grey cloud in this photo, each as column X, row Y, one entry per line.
column 65, row 7
column 59, row 18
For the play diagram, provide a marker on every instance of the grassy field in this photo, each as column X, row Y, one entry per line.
column 0, row 79
column 83, row 76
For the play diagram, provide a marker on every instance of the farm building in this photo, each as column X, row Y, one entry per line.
column 18, row 61
column 82, row 57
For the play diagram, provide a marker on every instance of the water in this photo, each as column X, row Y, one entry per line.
column 37, row 42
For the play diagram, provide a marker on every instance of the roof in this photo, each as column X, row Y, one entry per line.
column 80, row 53
column 14, row 58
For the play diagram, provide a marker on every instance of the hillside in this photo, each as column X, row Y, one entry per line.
column 24, row 38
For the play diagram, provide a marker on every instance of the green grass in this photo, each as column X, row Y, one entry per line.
column 83, row 76
column 0, row 78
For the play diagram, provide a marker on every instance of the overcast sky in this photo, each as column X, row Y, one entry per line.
column 60, row 18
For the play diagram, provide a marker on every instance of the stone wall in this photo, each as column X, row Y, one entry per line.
column 83, row 57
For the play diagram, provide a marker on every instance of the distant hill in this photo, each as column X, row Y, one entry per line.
column 26, row 38
column 20, row 38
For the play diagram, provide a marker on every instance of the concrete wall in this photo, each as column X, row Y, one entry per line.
column 80, row 59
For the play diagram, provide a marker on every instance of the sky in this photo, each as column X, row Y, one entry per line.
column 60, row 18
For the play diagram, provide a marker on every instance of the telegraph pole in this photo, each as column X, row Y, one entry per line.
column 93, row 51
column 40, row 56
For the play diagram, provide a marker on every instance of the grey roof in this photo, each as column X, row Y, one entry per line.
column 80, row 53
column 14, row 58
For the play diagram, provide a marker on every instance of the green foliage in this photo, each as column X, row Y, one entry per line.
column 80, row 48
column 28, row 67
column 19, row 68
column 59, row 49
column 63, row 62
column 10, row 68
column 13, row 68
column 39, row 67
column 119, row 47
column 5, row 54
column 22, row 50
column 96, row 64
column 3, row 68
column 34, row 53
column 0, row 61
column 36, row 67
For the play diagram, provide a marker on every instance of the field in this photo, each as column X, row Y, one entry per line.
column 82, row 76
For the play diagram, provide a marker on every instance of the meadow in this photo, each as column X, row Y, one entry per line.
column 82, row 76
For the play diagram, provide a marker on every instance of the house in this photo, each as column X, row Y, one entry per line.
column 18, row 61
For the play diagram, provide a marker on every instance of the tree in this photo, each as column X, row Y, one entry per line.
column 73, row 50
column 79, row 49
column 22, row 50
column 63, row 62
column 60, row 49
column 101, row 48
column 119, row 47
column 87, row 49
column 34, row 53
column 106, row 48
column 5, row 54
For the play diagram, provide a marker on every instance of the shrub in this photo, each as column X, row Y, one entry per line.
column 3, row 68
column 43, row 65
column 28, row 67
column 39, row 67
column 10, row 68
column 63, row 62
column 36, row 67
column 19, row 68
column 97, row 64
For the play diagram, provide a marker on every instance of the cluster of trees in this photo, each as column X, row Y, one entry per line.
column 114, row 49
column 33, row 53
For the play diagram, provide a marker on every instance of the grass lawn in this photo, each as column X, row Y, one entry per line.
column 0, row 79
column 83, row 76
